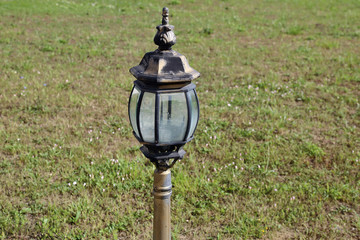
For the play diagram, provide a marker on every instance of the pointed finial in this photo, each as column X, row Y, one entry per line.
column 165, row 14
column 165, row 37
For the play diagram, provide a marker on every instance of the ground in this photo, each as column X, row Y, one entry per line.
column 276, row 154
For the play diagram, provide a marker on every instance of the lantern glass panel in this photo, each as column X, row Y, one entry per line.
column 173, row 117
column 147, row 117
column 132, row 109
column 194, row 112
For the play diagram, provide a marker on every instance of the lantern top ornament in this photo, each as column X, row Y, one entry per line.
column 164, row 66
column 165, row 37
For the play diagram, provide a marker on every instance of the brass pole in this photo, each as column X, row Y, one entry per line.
column 162, row 193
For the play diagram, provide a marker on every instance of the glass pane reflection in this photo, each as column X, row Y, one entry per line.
column 194, row 113
column 173, row 117
column 132, row 109
column 147, row 117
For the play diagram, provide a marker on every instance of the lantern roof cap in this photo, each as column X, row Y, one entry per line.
column 164, row 65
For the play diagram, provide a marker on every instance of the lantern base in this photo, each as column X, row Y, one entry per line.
column 160, row 156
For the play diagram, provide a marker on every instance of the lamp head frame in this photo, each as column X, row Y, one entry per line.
column 164, row 71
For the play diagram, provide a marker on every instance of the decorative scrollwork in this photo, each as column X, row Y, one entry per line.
column 164, row 164
column 165, row 37
column 161, row 156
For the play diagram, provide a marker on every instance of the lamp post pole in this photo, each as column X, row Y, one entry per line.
column 162, row 194
column 163, row 112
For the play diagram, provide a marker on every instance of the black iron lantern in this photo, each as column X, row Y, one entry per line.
column 163, row 112
column 163, row 106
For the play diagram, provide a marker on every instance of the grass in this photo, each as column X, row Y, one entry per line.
column 276, row 153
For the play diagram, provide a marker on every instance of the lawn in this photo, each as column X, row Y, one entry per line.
column 276, row 154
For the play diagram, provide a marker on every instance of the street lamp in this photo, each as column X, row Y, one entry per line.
column 163, row 112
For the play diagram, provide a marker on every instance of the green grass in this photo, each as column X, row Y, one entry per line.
column 276, row 152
